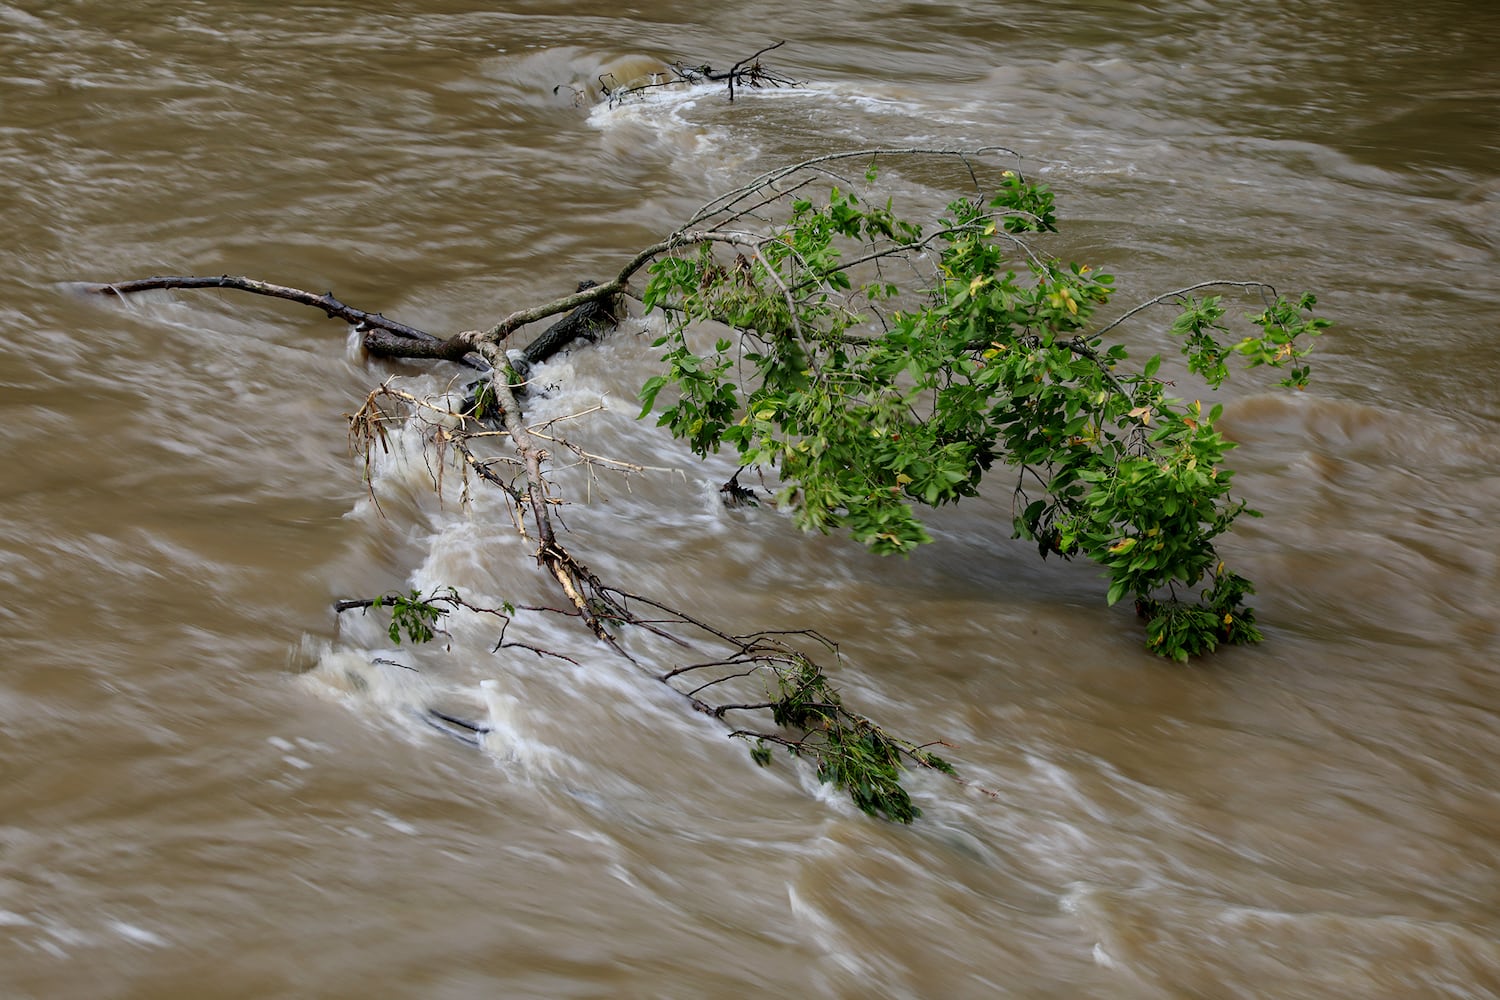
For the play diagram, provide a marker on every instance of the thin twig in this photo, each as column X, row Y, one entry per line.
column 1158, row 300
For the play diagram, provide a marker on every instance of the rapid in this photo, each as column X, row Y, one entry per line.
column 213, row 787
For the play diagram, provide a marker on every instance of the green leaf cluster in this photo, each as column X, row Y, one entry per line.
column 873, row 397
column 851, row 752
column 414, row 615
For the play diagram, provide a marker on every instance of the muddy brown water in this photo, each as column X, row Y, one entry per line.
column 207, row 789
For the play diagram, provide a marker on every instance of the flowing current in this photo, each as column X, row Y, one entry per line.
column 213, row 788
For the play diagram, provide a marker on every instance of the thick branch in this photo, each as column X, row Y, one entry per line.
column 583, row 321
column 521, row 317
column 570, row 575
column 383, row 344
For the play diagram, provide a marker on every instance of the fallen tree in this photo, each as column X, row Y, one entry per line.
column 870, row 365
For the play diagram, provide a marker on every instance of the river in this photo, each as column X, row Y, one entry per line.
column 213, row 788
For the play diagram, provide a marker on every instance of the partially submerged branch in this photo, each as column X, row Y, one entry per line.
column 865, row 396
column 591, row 310
column 748, row 72
column 416, row 340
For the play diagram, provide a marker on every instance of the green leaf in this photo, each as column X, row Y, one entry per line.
column 649, row 392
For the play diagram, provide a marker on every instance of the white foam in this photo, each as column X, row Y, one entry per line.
column 509, row 737
column 399, row 825
column 137, row 935
column 685, row 117
column 371, row 676
column 9, row 918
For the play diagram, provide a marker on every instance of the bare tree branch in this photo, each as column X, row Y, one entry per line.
column 384, row 337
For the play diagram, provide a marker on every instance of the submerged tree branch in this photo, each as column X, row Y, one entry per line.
column 590, row 306
column 747, row 72
column 802, row 710
column 1006, row 365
